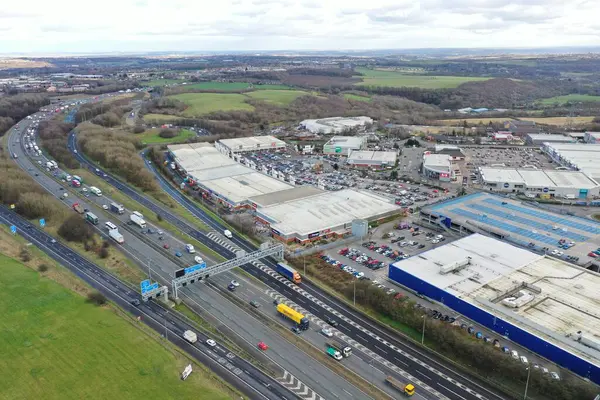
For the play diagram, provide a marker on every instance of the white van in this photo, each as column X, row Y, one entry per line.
column 110, row 226
column 95, row 190
column 190, row 249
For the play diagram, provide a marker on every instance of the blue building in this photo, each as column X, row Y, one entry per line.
column 544, row 304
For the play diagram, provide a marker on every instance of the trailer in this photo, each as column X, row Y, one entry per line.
column 288, row 272
column 293, row 315
column 117, row 208
column 346, row 351
column 116, row 236
column 407, row 389
column 137, row 221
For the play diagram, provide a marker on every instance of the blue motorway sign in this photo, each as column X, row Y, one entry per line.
column 42, row 222
column 193, row 268
column 13, row 229
column 147, row 286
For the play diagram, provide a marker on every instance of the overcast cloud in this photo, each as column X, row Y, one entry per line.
column 34, row 26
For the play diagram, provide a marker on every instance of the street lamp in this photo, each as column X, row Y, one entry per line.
column 354, row 296
column 423, row 331
column 527, row 383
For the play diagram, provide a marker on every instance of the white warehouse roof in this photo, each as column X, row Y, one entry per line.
column 484, row 271
column 253, row 143
column 334, row 124
column 372, row 157
column 586, row 157
column 538, row 178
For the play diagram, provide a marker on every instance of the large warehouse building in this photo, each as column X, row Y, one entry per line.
column 542, row 183
column 577, row 156
column 537, row 139
column 222, row 177
column 306, row 214
column 541, row 303
column 377, row 159
column 344, row 145
column 334, row 124
column 245, row 144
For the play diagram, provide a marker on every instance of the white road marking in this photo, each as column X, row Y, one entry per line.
column 456, row 394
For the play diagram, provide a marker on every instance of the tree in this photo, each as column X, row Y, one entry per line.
column 336, row 166
column 75, row 229
column 167, row 133
column 96, row 298
column 394, row 175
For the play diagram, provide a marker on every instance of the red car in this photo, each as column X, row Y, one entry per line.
column 166, row 245
column 593, row 255
column 262, row 346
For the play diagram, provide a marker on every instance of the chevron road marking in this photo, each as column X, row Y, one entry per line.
column 293, row 384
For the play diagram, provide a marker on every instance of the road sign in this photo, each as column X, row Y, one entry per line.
column 147, row 286
column 13, row 229
column 42, row 222
column 193, row 268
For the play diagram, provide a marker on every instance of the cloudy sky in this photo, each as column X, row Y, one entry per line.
column 34, row 26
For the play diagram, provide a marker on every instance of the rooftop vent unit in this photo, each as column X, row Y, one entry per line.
column 589, row 342
column 518, row 301
column 445, row 269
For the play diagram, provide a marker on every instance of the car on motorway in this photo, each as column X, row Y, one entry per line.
column 331, row 321
column 327, row 332
column 211, row 343
column 135, row 302
column 235, row 283
column 198, row 259
column 231, row 287
column 263, row 346
column 104, row 207
column 178, row 254
column 255, row 304
column 167, row 246
column 296, row 330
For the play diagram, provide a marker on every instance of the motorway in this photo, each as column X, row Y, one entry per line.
column 240, row 373
column 436, row 378
column 308, row 378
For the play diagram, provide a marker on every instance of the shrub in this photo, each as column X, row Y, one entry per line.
column 103, row 253
column 139, row 129
column 105, row 244
column 167, row 133
column 43, row 268
column 96, row 298
column 159, row 217
column 25, row 255
column 75, row 229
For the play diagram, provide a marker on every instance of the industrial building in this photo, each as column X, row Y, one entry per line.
column 437, row 166
column 521, row 128
column 564, row 236
column 344, row 145
column 544, row 304
column 306, row 214
column 221, row 177
column 537, row 139
column 335, row 124
column 253, row 143
column 377, row 159
column 540, row 183
column 576, row 156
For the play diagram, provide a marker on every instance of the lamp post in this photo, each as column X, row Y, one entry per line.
column 354, row 295
column 304, row 260
column 423, row 331
column 527, row 383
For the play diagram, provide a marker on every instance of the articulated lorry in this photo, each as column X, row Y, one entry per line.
column 408, row 389
column 288, row 272
column 346, row 351
column 116, row 236
column 117, row 208
column 137, row 221
column 77, row 207
column 294, row 315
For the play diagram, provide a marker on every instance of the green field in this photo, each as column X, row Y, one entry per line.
column 350, row 96
column 277, row 97
column 204, row 103
column 151, row 136
column 396, row 79
column 234, row 86
column 160, row 117
column 163, row 82
column 55, row 345
column 583, row 98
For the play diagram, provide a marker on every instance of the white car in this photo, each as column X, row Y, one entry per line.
column 104, row 207
column 524, row 360
column 235, row 283
column 554, row 375
column 198, row 259
column 514, row 354
column 211, row 343
column 545, row 371
column 327, row 332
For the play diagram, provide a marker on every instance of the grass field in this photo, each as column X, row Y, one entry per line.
column 583, row 98
column 234, row 86
column 472, row 121
column 398, row 79
column 277, row 97
column 204, row 103
column 160, row 117
column 151, row 136
column 163, row 82
column 57, row 346
column 558, row 121
column 350, row 96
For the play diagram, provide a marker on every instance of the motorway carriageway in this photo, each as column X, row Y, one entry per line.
column 239, row 372
column 300, row 373
column 380, row 341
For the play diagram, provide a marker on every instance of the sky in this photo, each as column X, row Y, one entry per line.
column 69, row 26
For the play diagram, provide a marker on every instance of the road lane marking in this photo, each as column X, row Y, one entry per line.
column 401, row 362
column 422, row 374
column 454, row 393
column 380, row 349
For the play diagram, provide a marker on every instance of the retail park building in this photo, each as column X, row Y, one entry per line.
column 294, row 213
column 542, row 303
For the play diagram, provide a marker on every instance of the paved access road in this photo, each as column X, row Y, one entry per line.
column 235, row 370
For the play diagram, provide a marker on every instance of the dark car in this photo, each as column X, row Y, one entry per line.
column 255, row 304
column 331, row 322
column 135, row 302
column 296, row 330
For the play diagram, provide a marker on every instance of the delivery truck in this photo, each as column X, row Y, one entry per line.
column 293, row 315
column 336, row 355
column 190, row 336
column 346, row 351
column 91, row 218
column 116, row 236
column 117, row 208
column 408, row 389
column 77, row 207
column 288, row 272
column 95, row 191
column 137, row 221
